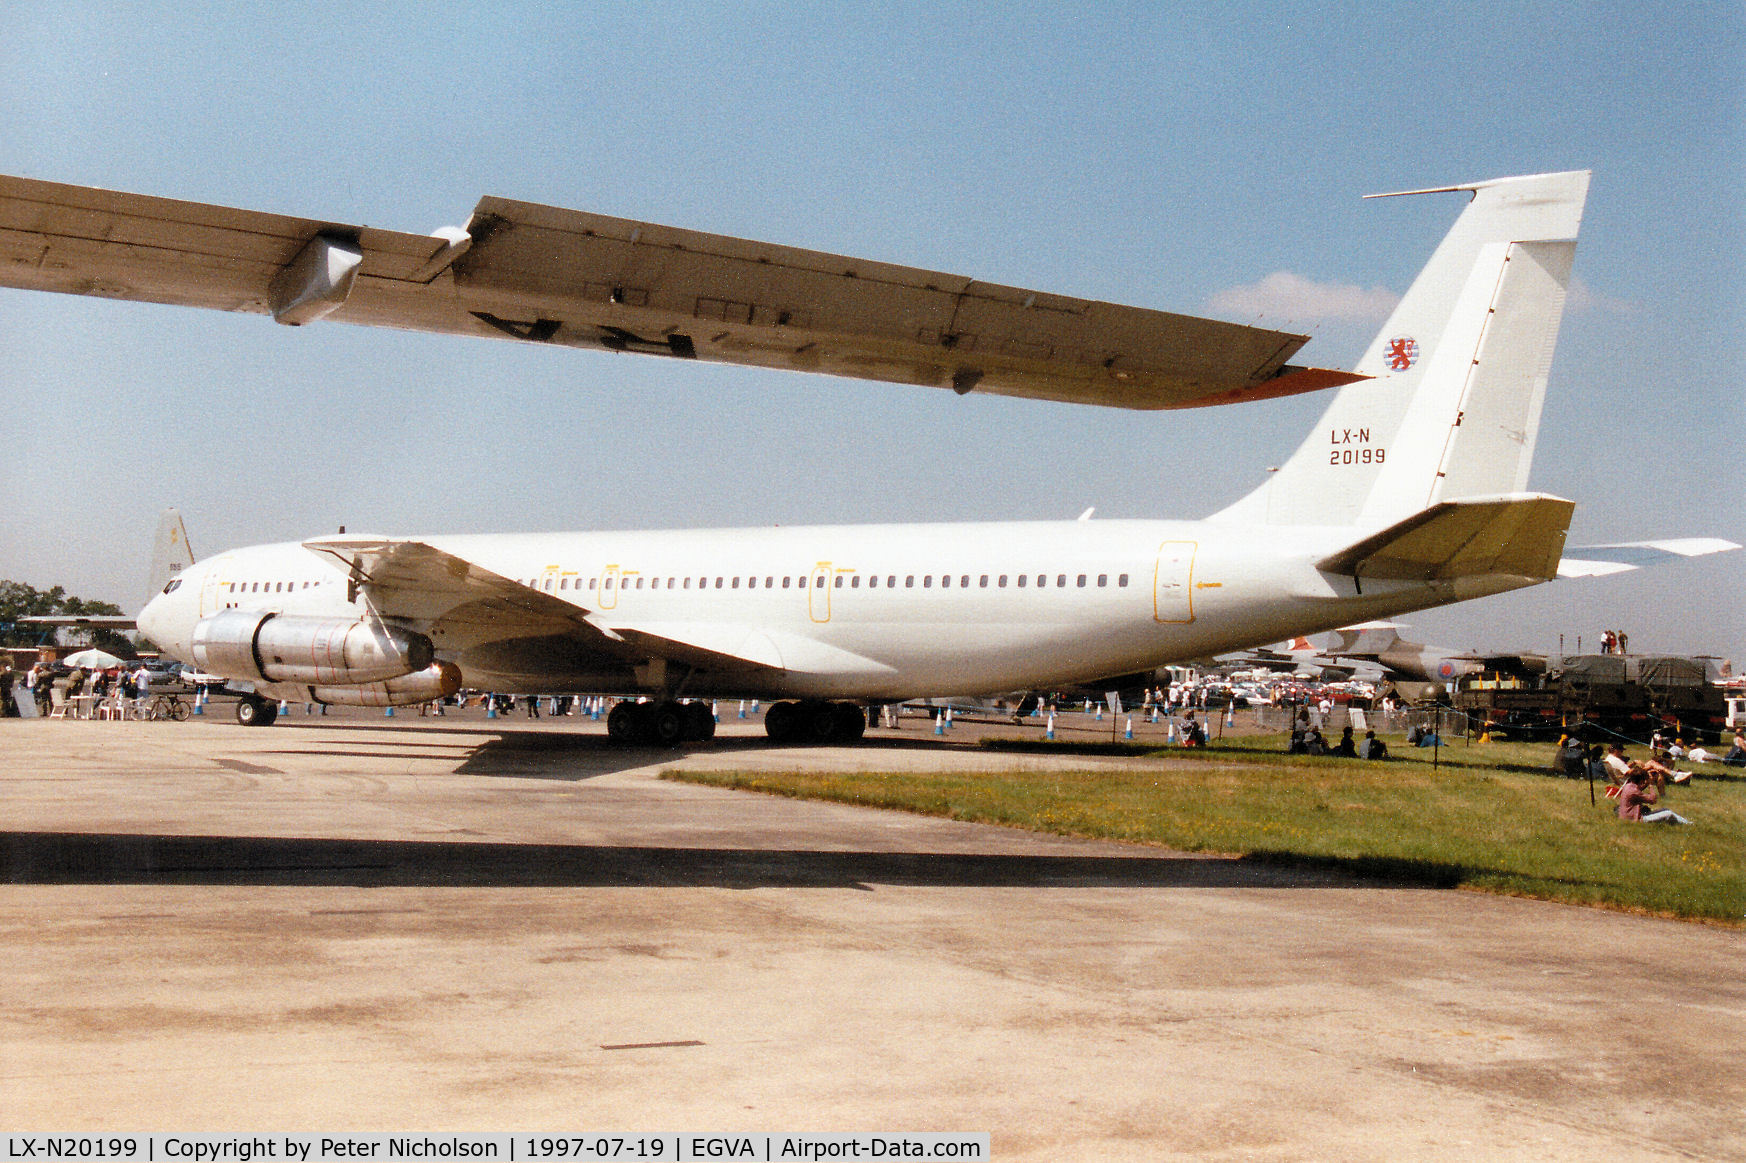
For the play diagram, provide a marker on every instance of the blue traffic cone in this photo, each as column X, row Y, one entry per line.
column 1129, row 733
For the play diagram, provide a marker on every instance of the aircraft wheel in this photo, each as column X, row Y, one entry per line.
column 699, row 722
column 253, row 712
column 666, row 724
column 779, row 722
column 621, row 722
column 819, row 722
column 851, row 723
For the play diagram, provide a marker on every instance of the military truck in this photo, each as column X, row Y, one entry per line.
column 1600, row 695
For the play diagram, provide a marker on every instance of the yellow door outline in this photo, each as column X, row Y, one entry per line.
column 818, row 593
column 1173, row 583
column 606, row 590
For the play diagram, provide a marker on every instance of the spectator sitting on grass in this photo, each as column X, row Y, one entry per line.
column 1572, row 758
column 1372, row 747
column 1193, row 733
column 1736, row 757
column 1642, row 788
column 1345, row 748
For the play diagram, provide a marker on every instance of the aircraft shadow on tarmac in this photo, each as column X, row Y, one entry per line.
column 99, row 858
column 543, row 754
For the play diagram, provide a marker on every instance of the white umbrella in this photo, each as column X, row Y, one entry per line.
column 92, row 659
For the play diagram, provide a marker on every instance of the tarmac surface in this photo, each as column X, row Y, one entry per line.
column 458, row 924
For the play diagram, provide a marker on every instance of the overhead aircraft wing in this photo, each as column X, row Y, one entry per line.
column 1599, row 560
column 570, row 278
column 460, row 604
column 1518, row 535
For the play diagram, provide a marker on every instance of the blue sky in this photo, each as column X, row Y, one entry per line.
column 1172, row 160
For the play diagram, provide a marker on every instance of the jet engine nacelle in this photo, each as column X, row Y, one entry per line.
column 286, row 648
column 439, row 680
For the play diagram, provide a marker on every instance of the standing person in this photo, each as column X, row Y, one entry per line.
column 7, row 708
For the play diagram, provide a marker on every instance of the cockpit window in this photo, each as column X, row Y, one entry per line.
column 171, row 588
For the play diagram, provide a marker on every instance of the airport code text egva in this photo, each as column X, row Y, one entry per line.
column 511, row 1148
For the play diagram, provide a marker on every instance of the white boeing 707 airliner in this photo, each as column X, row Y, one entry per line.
column 1407, row 494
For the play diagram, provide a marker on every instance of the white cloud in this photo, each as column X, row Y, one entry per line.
column 1283, row 298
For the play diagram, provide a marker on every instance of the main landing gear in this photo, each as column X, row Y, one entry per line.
column 256, row 712
column 664, row 724
column 814, row 721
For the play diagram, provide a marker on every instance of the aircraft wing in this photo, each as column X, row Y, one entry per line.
column 460, row 604
column 1599, row 560
column 570, row 278
column 88, row 621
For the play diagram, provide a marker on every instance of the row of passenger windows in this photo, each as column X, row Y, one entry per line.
column 840, row 581
column 266, row 587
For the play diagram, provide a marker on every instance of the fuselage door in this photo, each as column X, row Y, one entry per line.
column 1173, row 582
column 818, row 593
column 606, row 597
column 209, row 592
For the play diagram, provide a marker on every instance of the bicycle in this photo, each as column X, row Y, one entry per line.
column 168, row 707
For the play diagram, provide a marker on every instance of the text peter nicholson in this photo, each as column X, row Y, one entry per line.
column 512, row 1148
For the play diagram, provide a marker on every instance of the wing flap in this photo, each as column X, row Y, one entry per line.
column 571, row 278
column 1518, row 535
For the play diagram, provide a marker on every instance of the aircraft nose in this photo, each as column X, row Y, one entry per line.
column 156, row 624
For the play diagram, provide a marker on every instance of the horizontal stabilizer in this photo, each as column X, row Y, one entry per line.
column 1520, row 535
column 1599, row 560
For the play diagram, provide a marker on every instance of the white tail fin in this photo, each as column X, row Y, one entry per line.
column 170, row 552
column 1459, row 371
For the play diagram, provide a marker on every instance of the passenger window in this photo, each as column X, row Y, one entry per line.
column 1081, row 581
column 639, row 584
column 818, row 582
column 945, row 581
column 928, row 582
column 890, row 581
column 718, row 583
column 964, row 581
column 873, row 582
column 736, row 584
column 1023, row 578
column 1003, row 581
column 1042, row 580
column 909, row 582
column 1103, row 579
column 1122, row 580
column 984, row 582
column 855, row 582
column 609, row 583
column 1060, row 579
column 839, row 581
column 785, row 580
column 769, row 583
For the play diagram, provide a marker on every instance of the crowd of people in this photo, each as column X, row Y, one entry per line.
column 44, row 680
column 1307, row 739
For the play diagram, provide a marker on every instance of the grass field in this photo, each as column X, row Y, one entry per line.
column 1489, row 818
